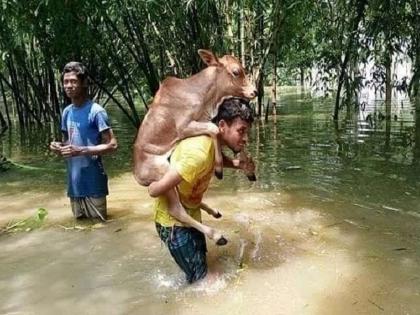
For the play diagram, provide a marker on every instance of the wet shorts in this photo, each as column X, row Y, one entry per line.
column 88, row 207
column 188, row 247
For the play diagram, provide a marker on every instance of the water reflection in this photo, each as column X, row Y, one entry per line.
column 374, row 162
column 366, row 157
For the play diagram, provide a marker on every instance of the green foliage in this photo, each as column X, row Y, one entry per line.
column 129, row 46
column 28, row 224
column 5, row 165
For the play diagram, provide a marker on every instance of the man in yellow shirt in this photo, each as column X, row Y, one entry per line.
column 192, row 166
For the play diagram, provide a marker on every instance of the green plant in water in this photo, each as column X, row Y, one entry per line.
column 4, row 164
column 28, row 224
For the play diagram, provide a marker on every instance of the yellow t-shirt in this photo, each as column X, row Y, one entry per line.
column 193, row 159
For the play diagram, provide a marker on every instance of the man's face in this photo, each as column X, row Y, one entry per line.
column 234, row 136
column 73, row 86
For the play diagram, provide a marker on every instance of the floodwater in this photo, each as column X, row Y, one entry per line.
column 332, row 226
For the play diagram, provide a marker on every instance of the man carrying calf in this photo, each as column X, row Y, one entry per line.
column 191, row 168
column 183, row 108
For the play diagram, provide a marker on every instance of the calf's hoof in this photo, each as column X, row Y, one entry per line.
column 217, row 237
column 217, row 215
column 221, row 241
column 252, row 177
column 219, row 174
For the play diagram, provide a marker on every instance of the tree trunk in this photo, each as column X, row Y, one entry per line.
column 15, row 90
column 52, row 84
column 387, row 134
column 274, row 86
column 145, row 65
column 361, row 4
column 416, row 150
column 267, row 108
column 229, row 31
column 414, row 86
column 388, row 86
column 260, row 89
column 302, row 77
column 150, row 73
column 6, row 106
column 242, row 33
column 3, row 123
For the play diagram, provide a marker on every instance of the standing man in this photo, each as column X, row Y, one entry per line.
column 86, row 136
column 192, row 166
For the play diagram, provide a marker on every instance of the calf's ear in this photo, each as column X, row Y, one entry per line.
column 208, row 57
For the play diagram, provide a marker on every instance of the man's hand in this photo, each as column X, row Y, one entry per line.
column 71, row 150
column 55, row 146
column 154, row 189
column 245, row 163
column 213, row 130
column 169, row 181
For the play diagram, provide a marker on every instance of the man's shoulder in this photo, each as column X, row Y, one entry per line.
column 91, row 106
column 95, row 107
column 202, row 143
column 192, row 157
column 67, row 108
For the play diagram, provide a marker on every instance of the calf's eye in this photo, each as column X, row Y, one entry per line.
column 236, row 72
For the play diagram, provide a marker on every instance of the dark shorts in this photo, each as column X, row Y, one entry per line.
column 188, row 247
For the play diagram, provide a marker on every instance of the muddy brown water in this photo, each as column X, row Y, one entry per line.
column 330, row 227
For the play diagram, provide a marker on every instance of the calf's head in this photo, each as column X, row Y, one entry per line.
column 231, row 78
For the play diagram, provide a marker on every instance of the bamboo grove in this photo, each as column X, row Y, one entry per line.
column 130, row 45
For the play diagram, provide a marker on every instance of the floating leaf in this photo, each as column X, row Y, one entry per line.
column 41, row 214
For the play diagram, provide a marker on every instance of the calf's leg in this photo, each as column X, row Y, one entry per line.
column 177, row 211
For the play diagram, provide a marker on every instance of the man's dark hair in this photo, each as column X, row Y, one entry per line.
column 76, row 67
column 232, row 108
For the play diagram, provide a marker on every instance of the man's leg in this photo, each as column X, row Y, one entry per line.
column 89, row 207
column 96, row 207
column 77, row 208
column 188, row 248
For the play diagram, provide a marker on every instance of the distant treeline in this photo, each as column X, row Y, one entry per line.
column 129, row 46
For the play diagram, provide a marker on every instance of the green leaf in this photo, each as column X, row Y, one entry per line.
column 41, row 214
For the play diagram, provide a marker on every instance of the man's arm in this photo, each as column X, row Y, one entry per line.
column 185, row 164
column 170, row 180
column 230, row 163
column 243, row 162
column 109, row 144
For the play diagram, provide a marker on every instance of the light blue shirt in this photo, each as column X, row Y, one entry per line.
column 85, row 174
